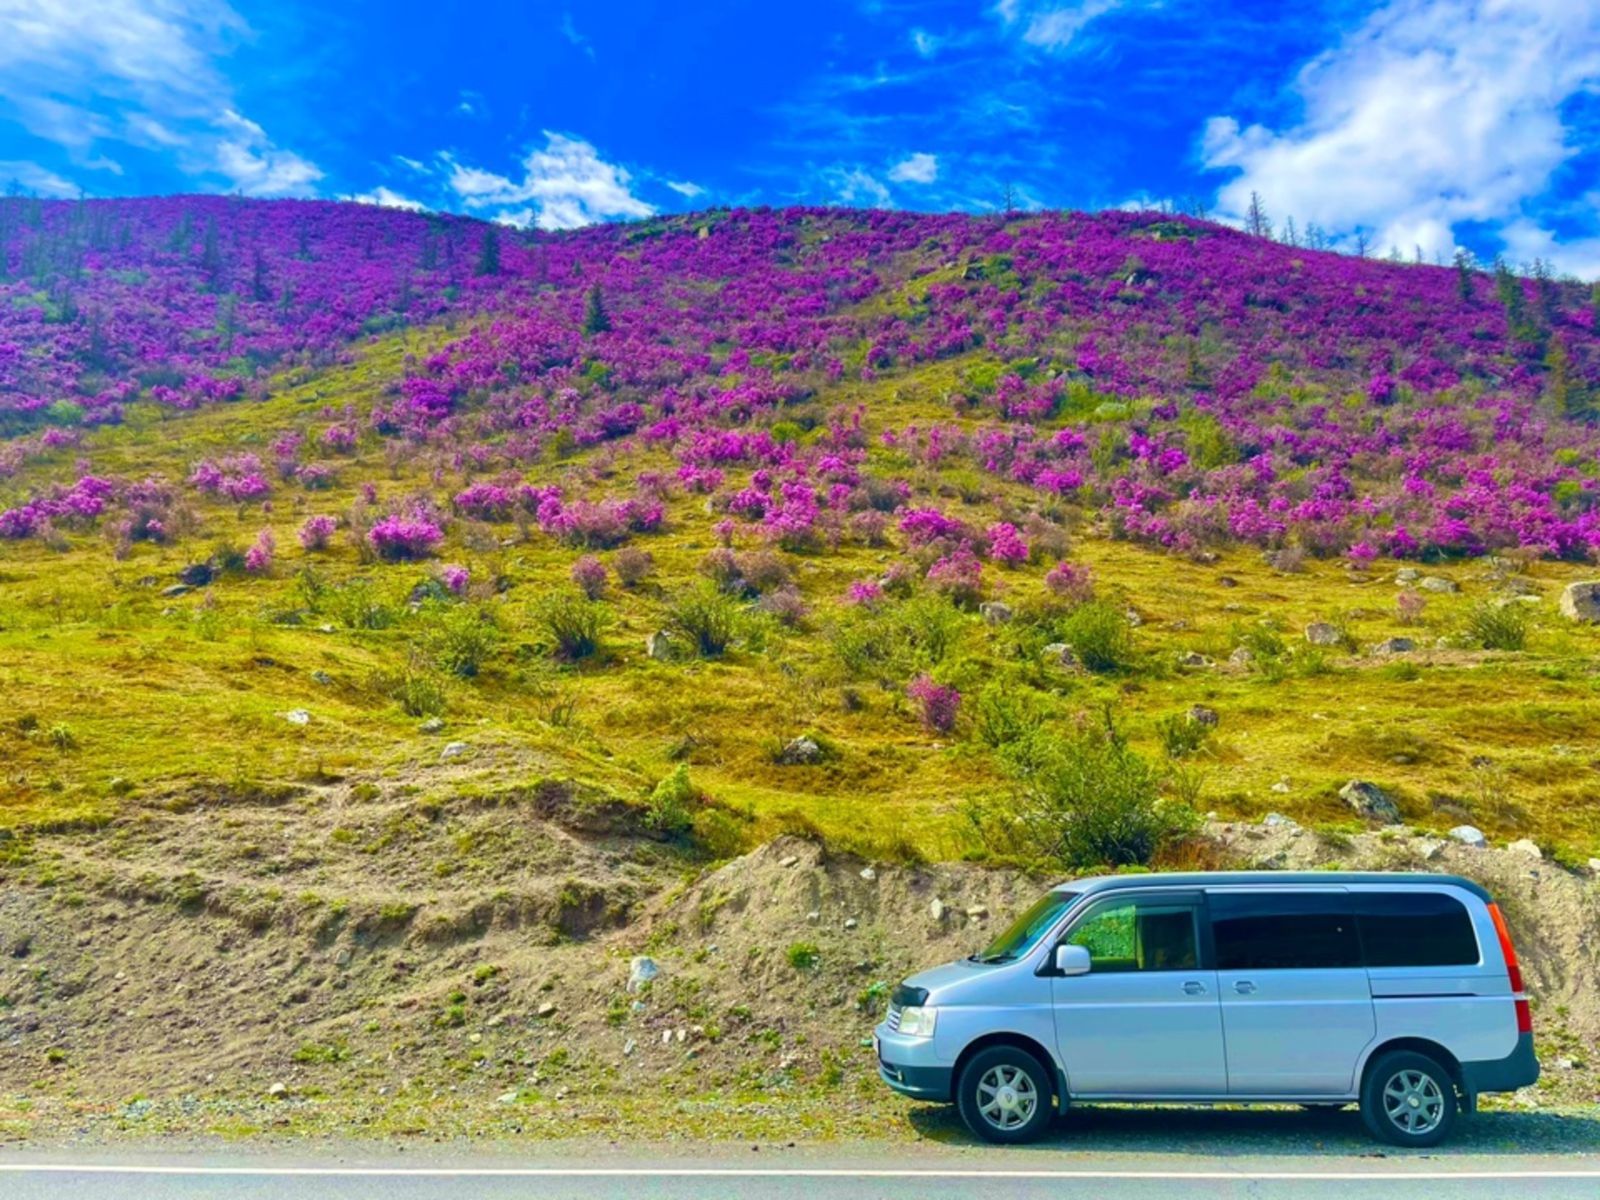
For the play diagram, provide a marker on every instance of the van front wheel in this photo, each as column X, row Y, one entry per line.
column 1408, row 1099
column 1004, row 1095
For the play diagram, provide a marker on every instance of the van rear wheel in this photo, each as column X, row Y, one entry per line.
column 1408, row 1099
column 1004, row 1095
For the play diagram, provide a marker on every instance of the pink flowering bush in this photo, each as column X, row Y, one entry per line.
column 958, row 576
column 938, row 705
column 868, row 593
column 316, row 532
column 237, row 477
column 1071, row 581
column 400, row 538
column 455, row 579
column 258, row 559
column 589, row 573
column 1006, row 545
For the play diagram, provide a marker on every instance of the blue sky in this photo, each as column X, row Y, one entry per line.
column 1430, row 123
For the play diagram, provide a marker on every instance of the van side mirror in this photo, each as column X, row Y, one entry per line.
column 1072, row 960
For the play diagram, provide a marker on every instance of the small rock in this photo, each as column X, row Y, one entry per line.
column 789, row 860
column 1581, row 601
column 628, row 1047
column 431, row 725
column 802, row 751
column 936, row 909
column 1565, row 1064
column 1320, row 633
column 977, row 912
column 1429, row 849
column 321, row 677
column 454, row 750
column 297, row 716
column 507, row 1097
column 641, row 971
column 681, row 1035
column 1470, row 836
column 1134, row 618
column 1526, row 846
column 1594, row 866
column 995, row 612
column 1437, row 583
column 1060, row 654
column 1273, row 818
column 1407, row 575
column 1200, row 714
column 1241, row 656
column 546, row 1010
column 1281, row 787
column 1394, row 645
column 851, row 923
column 1227, row 581
column 666, row 1037
column 659, row 645
column 813, row 916
column 197, row 574
column 1370, row 800
column 868, row 874
column 1195, row 659
column 278, row 1091
column 177, row 589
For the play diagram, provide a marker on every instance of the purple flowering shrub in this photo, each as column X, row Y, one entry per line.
column 316, row 532
column 958, row 576
column 937, row 705
column 258, row 559
column 1073, row 582
column 404, row 538
column 589, row 573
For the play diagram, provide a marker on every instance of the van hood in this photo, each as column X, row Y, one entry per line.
column 944, row 983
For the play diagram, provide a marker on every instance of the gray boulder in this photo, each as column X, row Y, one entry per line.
column 659, row 645
column 1320, row 633
column 1581, row 601
column 1201, row 714
column 1470, row 836
column 1437, row 583
column 995, row 612
column 801, row 752
column 1395, row 645
column 641, row 971
column 1370, row 801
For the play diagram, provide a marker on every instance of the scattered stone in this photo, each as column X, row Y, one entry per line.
column 628, row 1047
column 1526, row 846
column 977, row 912
column 197, row 574
column 801, row 752
column 641, row 971
column 321, row 677
column 813, row 916
column 1227, row 581
column 996, row 612
column 666, row 1037
column 278, row 1091
column 1060, row 654
column 177, row 589
column 431, row 725
column 1281, row 787
column 1134, row 618
column 1581, row 601
column 1406, row 575
column 1428, row 849
column 1200, row 714
column 1470, row 836
column 1437, row 583
column 1394, row 645
column 297, row 716
column 1594, row 866
column 454, row 750
column 1275, row 819
column 507, row 1097
column 1242, row 656
column 659, row 645
column 789, row 860
column 546, row 1010
column 868, row 874
column 1195, row 659
column 1370, row 800
column 851, row 923
column 937, row 909
column 1320, row 633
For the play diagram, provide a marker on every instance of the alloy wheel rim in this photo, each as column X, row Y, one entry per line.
column 1006, row 1097
column 1413, row 1102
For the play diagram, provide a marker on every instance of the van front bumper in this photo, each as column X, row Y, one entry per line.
column 1517, row 1069
column 909, row 1066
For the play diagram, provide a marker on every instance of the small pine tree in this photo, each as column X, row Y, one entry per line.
column 1363, row 244
column 258, row 277
column 595, row 317
column 211, row 255
column 1464, row 288
column 489, row 252
column 1290, row 236
column 1255, row 219
column 1560, row 390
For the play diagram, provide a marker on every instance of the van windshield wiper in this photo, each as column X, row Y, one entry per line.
column 1005, row 956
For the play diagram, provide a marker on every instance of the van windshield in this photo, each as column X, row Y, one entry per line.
column 1027, row 929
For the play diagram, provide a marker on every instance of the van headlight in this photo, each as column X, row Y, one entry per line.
column 918, row 1022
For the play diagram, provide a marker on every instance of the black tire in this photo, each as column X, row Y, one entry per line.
column 1408, row 1099
column 1004, row 1095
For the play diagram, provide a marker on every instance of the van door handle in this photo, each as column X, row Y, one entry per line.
column 1243, row 986
column 1195, row 988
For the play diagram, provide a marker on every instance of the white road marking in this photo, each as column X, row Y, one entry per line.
column 783, row 1172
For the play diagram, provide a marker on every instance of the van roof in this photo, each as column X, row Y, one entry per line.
column 1101, row 883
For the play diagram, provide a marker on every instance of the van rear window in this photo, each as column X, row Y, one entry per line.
column 1414, row 929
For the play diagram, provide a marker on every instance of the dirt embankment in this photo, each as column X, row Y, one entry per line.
column 320, row 947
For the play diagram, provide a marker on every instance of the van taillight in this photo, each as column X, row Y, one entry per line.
column 1509, row 953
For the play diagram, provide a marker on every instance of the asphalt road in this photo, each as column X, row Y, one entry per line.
column 1110, row 1155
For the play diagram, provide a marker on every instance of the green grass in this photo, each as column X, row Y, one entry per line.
column 118, row 696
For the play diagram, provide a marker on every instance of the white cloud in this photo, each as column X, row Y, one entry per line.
column 1431, row 113
column 141, row 72
column 570, row 32
column 1054, row 26
column 690, row 191
column 412, row 164
column 34, row 178
column 855, row 186
column 567, row 181
column 926, row 44
column 918, row 168
column 387, row 198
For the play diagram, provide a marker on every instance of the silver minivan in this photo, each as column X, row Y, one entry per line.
column 1400, row 992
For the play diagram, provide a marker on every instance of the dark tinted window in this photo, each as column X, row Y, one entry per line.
column 1263, row 931
column 1414, row 929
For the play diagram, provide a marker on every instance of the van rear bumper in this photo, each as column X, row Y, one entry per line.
column 1517, row 1069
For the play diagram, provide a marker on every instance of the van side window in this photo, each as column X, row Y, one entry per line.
column 1414, row 928
column 1138, row 935
column 1264, row 931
